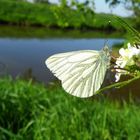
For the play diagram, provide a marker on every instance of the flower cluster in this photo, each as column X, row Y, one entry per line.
column 128, row 57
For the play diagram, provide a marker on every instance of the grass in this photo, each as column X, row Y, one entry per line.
column 32, row 111
column 21, row 13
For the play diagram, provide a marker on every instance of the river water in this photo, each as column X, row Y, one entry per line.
column 27, row 56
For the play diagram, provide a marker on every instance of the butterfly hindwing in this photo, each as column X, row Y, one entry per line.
column 81, row 72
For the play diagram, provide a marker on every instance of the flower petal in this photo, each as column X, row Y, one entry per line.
column 117, row 77
column 122, row 51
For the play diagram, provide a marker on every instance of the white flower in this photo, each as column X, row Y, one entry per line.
column 126, row 56
column 126, row 59
column 118, row 74
column 136, row 46
column 134, row 50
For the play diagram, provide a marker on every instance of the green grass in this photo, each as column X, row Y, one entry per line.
column 32, row 111
column 53, row 16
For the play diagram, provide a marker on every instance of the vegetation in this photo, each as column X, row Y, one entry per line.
column 50, row 15
column 133, row 5
column 32, row 111
column 43, row 33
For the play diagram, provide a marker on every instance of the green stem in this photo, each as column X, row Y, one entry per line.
column 118, row 85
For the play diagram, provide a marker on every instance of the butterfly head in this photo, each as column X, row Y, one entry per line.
column 106, row 50
column 106, row 54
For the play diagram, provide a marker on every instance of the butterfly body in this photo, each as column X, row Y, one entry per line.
column 81, row 72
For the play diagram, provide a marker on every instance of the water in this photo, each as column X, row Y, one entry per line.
column 27, row 56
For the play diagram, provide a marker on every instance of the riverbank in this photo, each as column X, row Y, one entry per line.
column 12, row 31
column 33, row 111
column 21, row 13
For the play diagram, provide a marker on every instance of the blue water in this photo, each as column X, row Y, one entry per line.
column 26, row 57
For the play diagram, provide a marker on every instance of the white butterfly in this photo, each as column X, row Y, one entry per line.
column 81, row 72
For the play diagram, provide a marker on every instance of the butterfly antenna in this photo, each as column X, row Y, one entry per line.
column 106, row 41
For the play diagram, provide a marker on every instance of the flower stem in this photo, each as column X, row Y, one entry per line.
column 118, row 85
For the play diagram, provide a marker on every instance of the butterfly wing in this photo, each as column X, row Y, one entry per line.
column 81, row 72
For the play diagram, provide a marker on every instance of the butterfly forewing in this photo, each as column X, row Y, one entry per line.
column 81, row 72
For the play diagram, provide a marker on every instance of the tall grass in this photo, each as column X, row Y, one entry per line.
column 33, row 111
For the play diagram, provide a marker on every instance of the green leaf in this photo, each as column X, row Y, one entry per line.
column 134, row 34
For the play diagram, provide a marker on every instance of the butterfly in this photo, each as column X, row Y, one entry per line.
column 81, row 72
